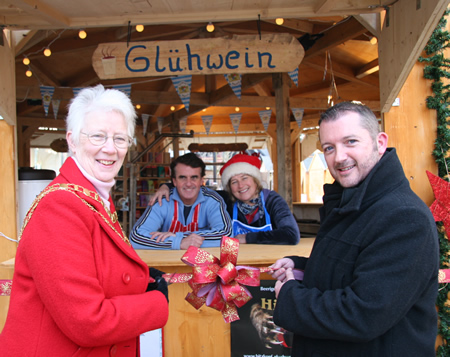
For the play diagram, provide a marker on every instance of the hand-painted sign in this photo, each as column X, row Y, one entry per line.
column 240, row 54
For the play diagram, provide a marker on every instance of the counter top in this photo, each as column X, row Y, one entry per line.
column 249, row 254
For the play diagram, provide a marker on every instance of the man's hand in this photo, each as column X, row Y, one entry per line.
column 161, row 236
column 280, row 267
column 279, row 284
column 162, row 191
column 191, row 239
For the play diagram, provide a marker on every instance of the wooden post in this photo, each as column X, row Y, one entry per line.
column 284, row 156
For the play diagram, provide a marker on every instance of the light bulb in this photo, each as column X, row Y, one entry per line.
column 210, row 27
column 82, row 34
column 236, row 109
column 139, row 28
column 28, row 73
column 172, row 108
column 267, row 108
column 373, row 40
column 279, row 21
column 138, row 106
column 26, row 61
column 47, row 52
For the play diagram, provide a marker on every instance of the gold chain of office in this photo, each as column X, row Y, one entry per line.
column 75, row 189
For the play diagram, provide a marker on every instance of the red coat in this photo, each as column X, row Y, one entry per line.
column 78, row 287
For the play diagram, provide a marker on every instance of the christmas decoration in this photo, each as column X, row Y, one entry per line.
column 437, row 69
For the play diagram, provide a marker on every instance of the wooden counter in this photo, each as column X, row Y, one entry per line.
column 190, row 332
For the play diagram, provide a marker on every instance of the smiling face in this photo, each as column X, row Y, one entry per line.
column 244, row 187
column 188, row 181
column 350, row 151
column 102, row 162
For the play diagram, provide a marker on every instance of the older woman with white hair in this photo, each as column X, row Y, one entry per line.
column 79, row 288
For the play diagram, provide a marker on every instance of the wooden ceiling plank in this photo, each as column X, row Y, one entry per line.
column 40, row 9
column 325, row 6
column 295, row 24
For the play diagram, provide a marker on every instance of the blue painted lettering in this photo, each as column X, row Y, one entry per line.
column 177, row 68
column 269, row 61
column 247, row 63
column 145, row 59
column 190, row 56
column 213, row 65
column 157, row 62
column 231, row 56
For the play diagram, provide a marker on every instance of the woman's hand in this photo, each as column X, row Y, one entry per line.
column 162, row 191
column 241, row 238
column 280, row 267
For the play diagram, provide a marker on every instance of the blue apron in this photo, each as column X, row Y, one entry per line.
column 242, row 228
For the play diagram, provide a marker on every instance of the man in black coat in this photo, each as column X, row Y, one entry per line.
column 371, row 281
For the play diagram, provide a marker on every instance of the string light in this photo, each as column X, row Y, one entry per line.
column 373, row 40
column 172, row 108
column 26, row 61
column 236, row 109
column 28, row 73
column 279, row 21
column 47, row 52
column 139, row 28
column 210, row 27
column 138, row 106
column 267, row 108
column 82, row 34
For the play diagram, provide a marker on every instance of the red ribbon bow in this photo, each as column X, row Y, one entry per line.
column 218, row 283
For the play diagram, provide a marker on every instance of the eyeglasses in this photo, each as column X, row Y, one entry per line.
column 99, row 139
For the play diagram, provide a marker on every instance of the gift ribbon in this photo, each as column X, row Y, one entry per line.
column 218, row 283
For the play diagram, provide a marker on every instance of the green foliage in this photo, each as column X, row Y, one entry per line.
column 436, row 69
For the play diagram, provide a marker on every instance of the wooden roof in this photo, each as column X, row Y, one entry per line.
column 339, row 38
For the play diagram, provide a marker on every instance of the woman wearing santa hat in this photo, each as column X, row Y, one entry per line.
column 260, row 216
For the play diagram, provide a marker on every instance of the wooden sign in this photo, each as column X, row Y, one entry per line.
column 240, row 54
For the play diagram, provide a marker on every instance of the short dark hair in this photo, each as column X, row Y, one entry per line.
column 189, row 159
column 368, row 119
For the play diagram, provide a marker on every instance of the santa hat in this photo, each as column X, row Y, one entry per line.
column 241, row 164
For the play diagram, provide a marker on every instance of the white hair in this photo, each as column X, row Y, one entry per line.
column 98, row 98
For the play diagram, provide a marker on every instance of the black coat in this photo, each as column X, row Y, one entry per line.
column 370, row 284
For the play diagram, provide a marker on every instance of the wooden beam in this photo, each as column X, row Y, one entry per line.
column 345, row 30
column 284, row 156
column 369, row 68
column 401, row 43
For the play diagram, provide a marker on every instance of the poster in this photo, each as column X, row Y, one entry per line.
column 255, row 334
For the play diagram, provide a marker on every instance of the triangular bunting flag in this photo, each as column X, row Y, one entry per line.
column 265, row 117
column 160, row 124
column 183, row 86
column 294, row 76
column 76, row 90
column 47, row 94
column 234, row 80
column 207, row 122
column 126, row 88
column 183, row 122
column 298, row 114
column 145, row 123
column 235, row 121
column 55, row 105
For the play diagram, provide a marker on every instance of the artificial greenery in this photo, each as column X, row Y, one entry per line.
column 437, row 69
